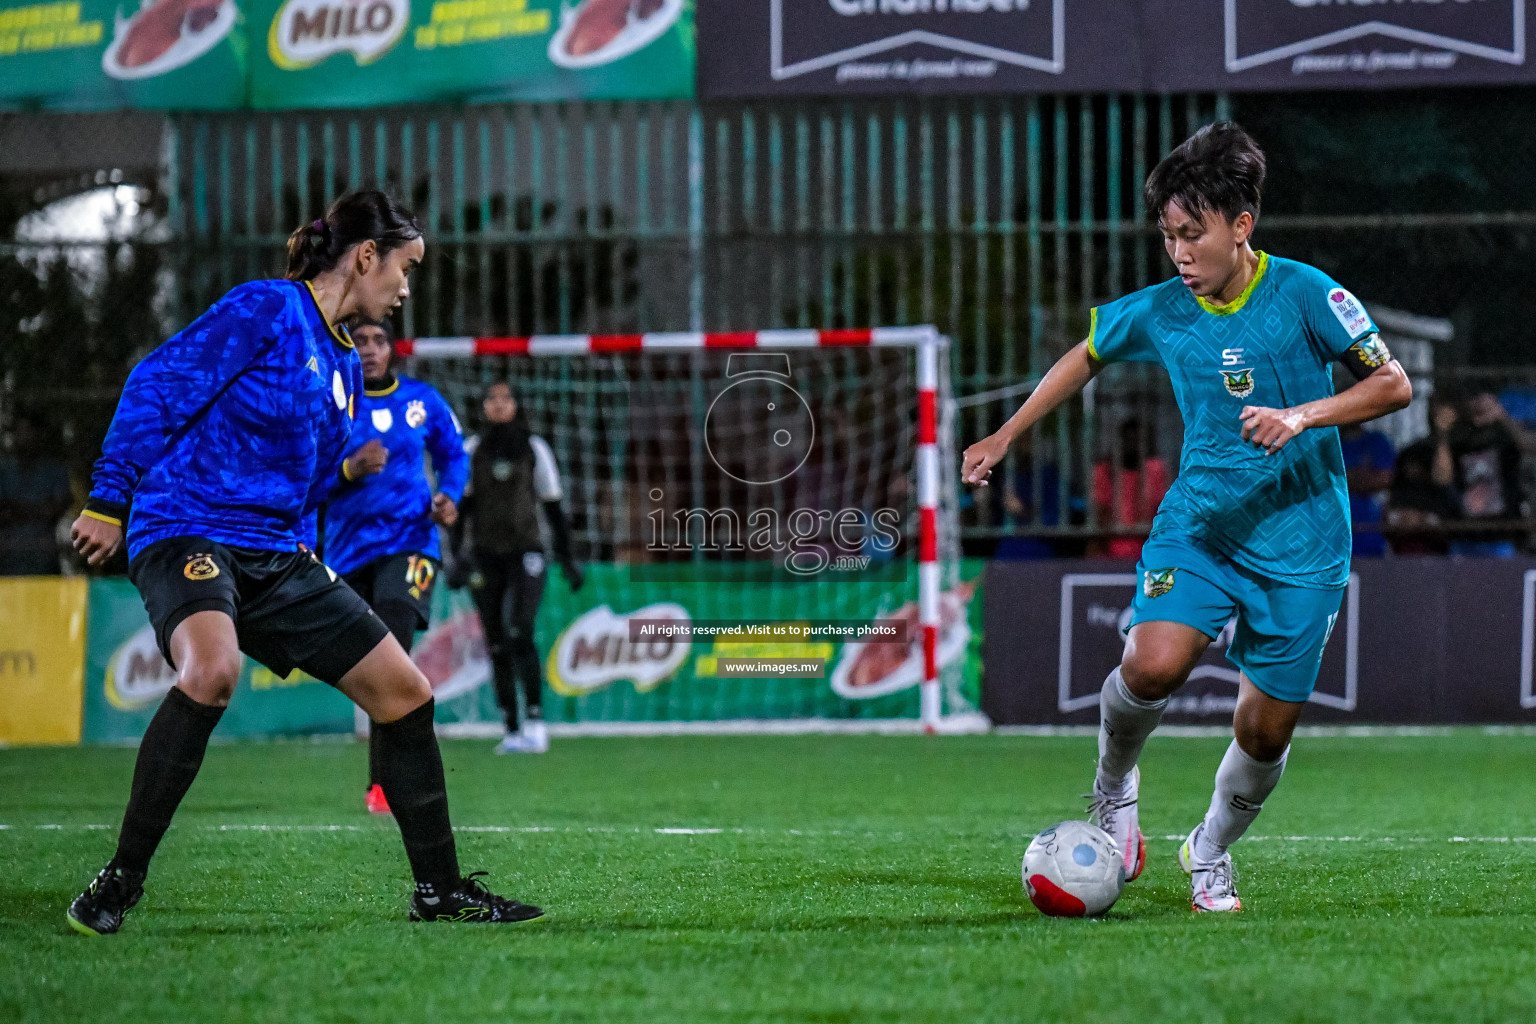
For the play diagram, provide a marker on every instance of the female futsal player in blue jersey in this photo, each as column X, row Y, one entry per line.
column 1257, row 524
column 382, row 518
column 225, row 442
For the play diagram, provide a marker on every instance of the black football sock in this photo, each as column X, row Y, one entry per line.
column 373, row 754
column 400, row 619
column 410, row 768
column 169, row 756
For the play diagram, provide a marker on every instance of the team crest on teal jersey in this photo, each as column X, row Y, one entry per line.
column 1239, row 382
column 1157, row 582
column 1372, row 351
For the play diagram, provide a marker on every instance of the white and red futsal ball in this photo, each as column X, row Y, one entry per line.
column 1073, row 869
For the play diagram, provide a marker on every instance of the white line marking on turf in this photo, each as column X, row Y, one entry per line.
column 688, row 831
column 797, row 832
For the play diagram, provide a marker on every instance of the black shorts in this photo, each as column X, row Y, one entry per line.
column 403, row 579
column 289, row 610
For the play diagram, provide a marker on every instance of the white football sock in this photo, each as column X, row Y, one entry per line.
column 1125, row 722
column 1242, row 785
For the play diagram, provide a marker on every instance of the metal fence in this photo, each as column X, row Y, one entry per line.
column 998, row 219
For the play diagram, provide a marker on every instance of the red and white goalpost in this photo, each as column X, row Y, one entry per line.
column 934, row 516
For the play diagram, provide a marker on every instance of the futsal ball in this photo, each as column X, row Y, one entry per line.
column 1073, row 869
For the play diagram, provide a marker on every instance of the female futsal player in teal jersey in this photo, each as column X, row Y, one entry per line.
column 1257, row 524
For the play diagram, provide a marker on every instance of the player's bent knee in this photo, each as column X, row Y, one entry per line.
column 1262, row 741
column 1152, row 676
column 416, row 689
column 211, row 678
column 400, row 692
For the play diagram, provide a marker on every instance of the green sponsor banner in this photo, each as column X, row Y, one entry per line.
column 594, row 672
column 325, row 53
column 126, row 677
column 279, row 54
column 102, row 54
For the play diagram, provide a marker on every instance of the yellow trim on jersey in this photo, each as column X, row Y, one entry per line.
column 1093, row 329
column 338, row 334
column 1236, row 304
column 103, row 518
column 384, row 391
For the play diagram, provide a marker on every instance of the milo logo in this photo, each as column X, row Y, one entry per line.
column 137, row 674
column 306, row 32
column 595, row 651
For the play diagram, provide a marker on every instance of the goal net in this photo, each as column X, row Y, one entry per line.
column 797, row 485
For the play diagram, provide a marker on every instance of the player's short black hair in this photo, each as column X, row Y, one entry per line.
column 354, row 218
column 1218, row 169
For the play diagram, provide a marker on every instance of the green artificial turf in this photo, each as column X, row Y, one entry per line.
column 854, row 879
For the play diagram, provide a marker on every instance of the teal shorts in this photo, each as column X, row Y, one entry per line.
column 1282, row 628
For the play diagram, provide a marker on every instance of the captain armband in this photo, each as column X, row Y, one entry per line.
column 1366, row 356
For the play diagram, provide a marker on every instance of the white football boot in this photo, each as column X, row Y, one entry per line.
column 1116, row 814
column 537, row 735
column 532, row 738
column 1213, row 887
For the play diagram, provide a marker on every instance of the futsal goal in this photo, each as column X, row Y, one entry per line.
column 799, row 485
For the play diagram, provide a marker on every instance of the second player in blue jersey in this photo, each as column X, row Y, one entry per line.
column 1256, row 528
column 384, row 503
column 385, row 509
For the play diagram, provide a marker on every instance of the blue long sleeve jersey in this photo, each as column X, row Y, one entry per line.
column 235, row 428
column 390, row 512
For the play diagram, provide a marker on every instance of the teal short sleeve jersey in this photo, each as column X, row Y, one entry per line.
column 1284, row 516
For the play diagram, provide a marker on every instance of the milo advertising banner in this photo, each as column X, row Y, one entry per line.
column 126, row 677
column 102, row 54
column 275, row 54
column 598, row 670
column 330, row 53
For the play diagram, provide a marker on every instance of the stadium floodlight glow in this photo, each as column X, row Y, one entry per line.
column 633, row 424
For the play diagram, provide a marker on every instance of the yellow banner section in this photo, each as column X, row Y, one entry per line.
column 42, row 659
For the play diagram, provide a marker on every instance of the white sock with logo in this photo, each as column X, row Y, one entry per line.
column 1242, row 785
column 1125, row 722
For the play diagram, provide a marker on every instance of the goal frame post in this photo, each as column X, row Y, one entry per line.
column 928, row 344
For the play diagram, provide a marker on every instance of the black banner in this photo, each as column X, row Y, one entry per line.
column 853, row 47
column 1418, row 640
column 1242, row 45
column 862, row 47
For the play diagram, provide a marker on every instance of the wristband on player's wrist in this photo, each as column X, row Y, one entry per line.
column 112, row 512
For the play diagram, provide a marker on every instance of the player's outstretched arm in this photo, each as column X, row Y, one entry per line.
column 1070, row 375
column 1386, row 389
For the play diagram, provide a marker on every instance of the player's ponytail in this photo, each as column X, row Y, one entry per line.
column 353, row 219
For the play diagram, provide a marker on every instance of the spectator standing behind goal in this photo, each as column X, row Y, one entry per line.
column 382, row 518
column 1368, row 464
column 499, row 549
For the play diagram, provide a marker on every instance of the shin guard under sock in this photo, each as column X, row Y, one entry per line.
column 410, row 768
column 1242, row 786
column 1125, row 722
column 169, row 756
